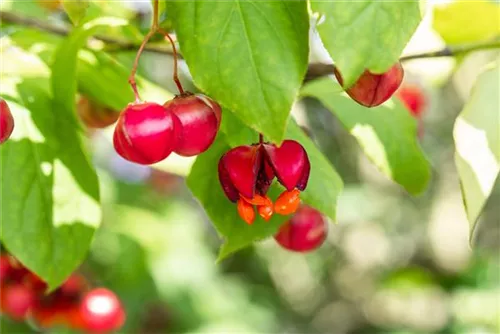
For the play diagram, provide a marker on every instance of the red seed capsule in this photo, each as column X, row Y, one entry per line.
column 200, row 117
column 374, row 89
column 146, row 133
column 17, row 300
column 101, row 311
column 305, row 232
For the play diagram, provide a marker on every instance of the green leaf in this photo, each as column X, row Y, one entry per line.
column 64, row 65
column 96, row 70
column 250, row 56
column 477, row 144
column 387, row 134
column 365, row 34
column 324, row 184
column 457, row 21
column 322, row 190
column 49, row 191
column 76, row 9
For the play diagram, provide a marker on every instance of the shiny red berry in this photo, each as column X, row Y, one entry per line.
column 200, row 117
column 6, row 121
column 102, row 311
column 374, row 89
column 17, row 300
column 146, row 133
column 304, row 232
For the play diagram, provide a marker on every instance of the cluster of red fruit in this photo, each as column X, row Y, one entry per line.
column 148, row 132
column 246, row 173
column 72, row 305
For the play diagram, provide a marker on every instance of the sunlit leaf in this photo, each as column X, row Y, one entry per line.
column 366, row 34
column 387, row 134
column 477, row 144
column 467, row 21
column 75, row 9
column 250, row 56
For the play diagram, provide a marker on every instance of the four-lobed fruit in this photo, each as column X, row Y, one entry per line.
column 146, row 133
column 304, row 232
column 6, row 121
column 246, row 173
column 101, row 311
column 372, row 89
column 200, row 119
column 94, row 115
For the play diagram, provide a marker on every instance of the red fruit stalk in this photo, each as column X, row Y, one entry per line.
column 372, row 89
column 305, row 232
column 6, row 122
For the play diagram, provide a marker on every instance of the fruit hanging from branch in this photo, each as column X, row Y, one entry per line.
column 371, row 90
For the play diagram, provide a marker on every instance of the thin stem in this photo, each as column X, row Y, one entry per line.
column 456, row 50
column 261, row 138
column 152, row 31
column 111, row 44
column 315, row 70
column 131, row 78
column 155, row 15
column 174, row 53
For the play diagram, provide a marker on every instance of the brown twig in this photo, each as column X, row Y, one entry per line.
column 114, row 43
column 314, row 70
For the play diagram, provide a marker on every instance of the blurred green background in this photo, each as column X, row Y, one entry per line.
column 393, row 263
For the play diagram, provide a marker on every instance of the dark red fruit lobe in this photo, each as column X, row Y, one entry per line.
column 101, row 311
column 374, row 89
column 34, row 282
column 238, row 170
column 17, row 300
column 200, row 117
column 6, row 121
column 290, row 163
column 74, row 285
column 5, row 268
column 304, row 232
column 146, row 133
column 94, row 115
column 413, row 98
